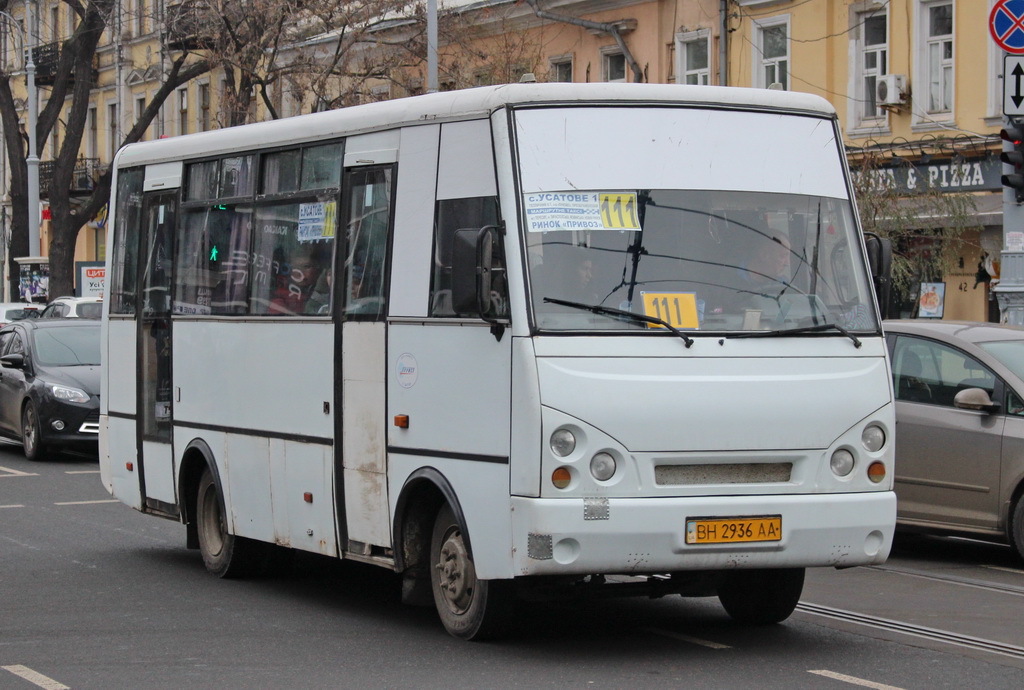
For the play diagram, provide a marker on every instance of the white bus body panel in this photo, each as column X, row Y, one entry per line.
column 414, row 221
column 364, row 437
column 119, row 394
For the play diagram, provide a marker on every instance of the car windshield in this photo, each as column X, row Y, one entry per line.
column 700, row 260
column 63, row 347
column 1010, row 354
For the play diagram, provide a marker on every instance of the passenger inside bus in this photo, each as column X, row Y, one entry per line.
column 301, row 283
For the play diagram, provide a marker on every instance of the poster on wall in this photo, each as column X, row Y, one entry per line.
column 92, row 278
column 931, row 301
column 34, row 284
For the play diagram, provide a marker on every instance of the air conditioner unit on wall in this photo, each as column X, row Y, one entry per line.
column 890, row 89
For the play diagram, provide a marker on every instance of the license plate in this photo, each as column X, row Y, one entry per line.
column 733, row 530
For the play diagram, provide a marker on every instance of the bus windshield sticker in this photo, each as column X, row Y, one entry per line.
column 316, row 221
column 547, row 211
column 678, row 309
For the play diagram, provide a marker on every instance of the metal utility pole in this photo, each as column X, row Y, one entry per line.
column 432, row 46
column 32, row 159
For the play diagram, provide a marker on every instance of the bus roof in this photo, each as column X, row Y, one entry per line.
column 455, row 105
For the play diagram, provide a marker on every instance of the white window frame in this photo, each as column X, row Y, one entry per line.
column 859, row 123
column 558, row 60
column 757, row 57
column 92, row 133
column 139, row 101
column 681, row 67
column 606, row 55
column 181, row 114
column 923, row 120
column 139, row 18
column 201, row 86
column 113, row 128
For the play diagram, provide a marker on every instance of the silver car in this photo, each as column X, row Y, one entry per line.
column 959, row 390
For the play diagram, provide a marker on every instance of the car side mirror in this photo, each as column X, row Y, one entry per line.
column 13, row 361
column 975, row 399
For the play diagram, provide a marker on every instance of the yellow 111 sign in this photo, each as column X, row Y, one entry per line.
column 678, row 309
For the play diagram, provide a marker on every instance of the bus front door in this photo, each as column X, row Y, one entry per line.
column 156, row 459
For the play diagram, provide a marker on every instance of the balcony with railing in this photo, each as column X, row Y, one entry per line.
column 185, row 26
column 83, row 180
column 47, row 58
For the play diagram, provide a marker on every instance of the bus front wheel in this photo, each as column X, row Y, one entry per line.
column 225, row 555
column 469, row 608
column 761, row 597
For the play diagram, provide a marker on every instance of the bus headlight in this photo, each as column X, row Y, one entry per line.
column 563, row 443
column 842, row 462
column 873, row 438
column 602, row 466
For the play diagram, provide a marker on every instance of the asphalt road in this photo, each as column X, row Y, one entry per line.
column 95, row 595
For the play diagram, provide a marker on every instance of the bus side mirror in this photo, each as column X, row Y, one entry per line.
column 472, row 263
column 879, row 251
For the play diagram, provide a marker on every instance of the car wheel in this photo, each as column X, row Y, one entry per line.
column 469, row 608
column 1017, row 527
column 761, row 597
column 225, row 555
column 31, row 435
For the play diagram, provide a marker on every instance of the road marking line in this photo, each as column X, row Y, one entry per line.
column 16, row 473
column 35, row 678
column 687, row 638
column 85, row 503
column 15, row 505
column 81, row 472
column 854, row 680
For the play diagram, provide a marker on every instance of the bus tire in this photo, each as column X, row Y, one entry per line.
column 761, row 597
column 225, row 555
column 31, row 434
column 470, row 609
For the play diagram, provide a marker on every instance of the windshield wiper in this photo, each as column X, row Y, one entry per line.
column 609, row 311
column 796, row 331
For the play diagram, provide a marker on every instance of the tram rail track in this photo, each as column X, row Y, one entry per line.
column 919, row 631
column 951, row 579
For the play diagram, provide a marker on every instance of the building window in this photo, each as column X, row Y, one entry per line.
column 937, row 30
column 55, row 23
column 140, row 108
column 693, row 58
column 872, row 62
column 204, row 107
column 614, row 67
column 140, row 17
column 182, row 111
column 92, row 139
column 561, row 69
column 771, row 54
column 112, row 131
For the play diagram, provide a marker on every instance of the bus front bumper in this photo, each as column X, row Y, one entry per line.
column 637, row 536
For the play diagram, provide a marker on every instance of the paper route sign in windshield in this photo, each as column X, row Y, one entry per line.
column 547, row 211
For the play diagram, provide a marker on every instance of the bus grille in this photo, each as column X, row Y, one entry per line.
column 732, row 473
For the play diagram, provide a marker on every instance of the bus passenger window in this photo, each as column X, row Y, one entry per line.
column 291, row 258
column 452, row 215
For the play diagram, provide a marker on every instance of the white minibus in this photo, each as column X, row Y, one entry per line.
column 510, row 342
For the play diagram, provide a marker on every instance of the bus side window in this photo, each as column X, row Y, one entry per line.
column 125, row 261
column 451, row 215
column 368, row 194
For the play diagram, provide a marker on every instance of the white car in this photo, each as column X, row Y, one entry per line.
column 13, row 311
column 73, row 307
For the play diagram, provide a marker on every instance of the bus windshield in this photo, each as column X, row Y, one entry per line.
column 699, row 260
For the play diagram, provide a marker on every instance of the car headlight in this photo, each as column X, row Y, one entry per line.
column 68, row 394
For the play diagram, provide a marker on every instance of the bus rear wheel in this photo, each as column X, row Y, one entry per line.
column 761, row 597
column 469, row 608
column 225, row 555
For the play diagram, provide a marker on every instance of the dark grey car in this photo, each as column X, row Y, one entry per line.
column 959, row 390
column 49, row 385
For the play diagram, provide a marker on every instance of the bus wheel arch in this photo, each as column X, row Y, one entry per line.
column 196, row 458
column 422, row 496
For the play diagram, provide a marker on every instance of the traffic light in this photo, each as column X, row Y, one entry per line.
column 1014, row 133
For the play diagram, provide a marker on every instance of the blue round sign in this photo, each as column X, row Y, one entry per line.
column 1006, row 24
